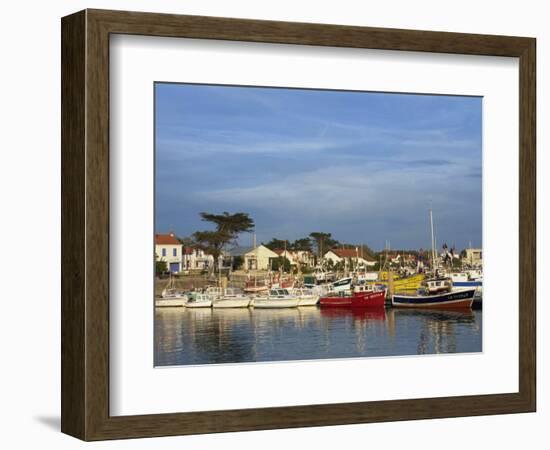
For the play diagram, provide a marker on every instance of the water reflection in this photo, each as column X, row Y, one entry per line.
column 207, row 336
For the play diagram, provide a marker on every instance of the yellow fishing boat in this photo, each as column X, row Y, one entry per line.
column 410, row 283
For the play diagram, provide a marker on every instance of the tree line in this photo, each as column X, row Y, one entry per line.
column 228, row 227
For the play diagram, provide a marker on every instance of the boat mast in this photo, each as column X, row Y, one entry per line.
column 433, row 242
column 284, row 258
column 255, row 259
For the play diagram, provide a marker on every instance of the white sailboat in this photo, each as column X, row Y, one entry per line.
column 277, row 298
column 171, row 296
column 231, row 298
column 306, row 297
column 198, row 300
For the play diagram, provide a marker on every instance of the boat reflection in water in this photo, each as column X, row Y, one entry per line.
column 359, row 314
column 441, row 330
column 213, row 336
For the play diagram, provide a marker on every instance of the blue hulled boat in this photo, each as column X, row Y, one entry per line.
column 457, row 299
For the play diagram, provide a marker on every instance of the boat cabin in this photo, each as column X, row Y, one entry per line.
column 194, row 297
column 460, row 277
column 279, row 293
column 342, row 284
column 303, row 291
column 437, row 285
column 229, row 292
column 214, row 291
column 364, row 288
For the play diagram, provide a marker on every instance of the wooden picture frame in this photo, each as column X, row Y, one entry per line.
column 85, row 224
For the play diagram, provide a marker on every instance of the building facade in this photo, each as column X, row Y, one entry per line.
column 254, row 258
column 473, row 257
column 259, row 258
column 169, row 250
column 302, row 258
column 196, row 259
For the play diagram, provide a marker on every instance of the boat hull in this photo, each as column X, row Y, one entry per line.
column 456, row 299
column 170, row 302
column 275, row 303
column 358, row 298
column 309, row 300
column 201, row 304
column 335, row 301
column 369, row 300
column 231, row 303
column 467, row 283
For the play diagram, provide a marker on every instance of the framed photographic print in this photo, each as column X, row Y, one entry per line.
column 272, row 225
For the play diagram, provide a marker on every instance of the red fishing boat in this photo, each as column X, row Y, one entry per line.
column 361, row 297
column 342, row 298
column 368, row 297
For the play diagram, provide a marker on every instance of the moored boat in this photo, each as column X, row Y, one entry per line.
column 336, row 299
column 339, row 298
column 341, row 285
column 462, row 298
column 198, row 300
column 214, row 292
column 242, row 302
column 256, row 287
column 368, row 297
column 306, row 297
column 409, row 283
column 170, row 292
column 321, row 276
column 275, row 303
column 277, row 298
column 231, row 298
column 438, row 285
column 171, row 302
column 462, row 279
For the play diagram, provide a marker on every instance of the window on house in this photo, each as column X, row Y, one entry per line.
column 163, row 252
column 175, row 252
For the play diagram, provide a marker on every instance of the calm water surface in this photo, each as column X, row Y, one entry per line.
column 206, row 336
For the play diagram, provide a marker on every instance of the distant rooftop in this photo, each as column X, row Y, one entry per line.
column 166, row 239
column 239, row 251
column 349, row 253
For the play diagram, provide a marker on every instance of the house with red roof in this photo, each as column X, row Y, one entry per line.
column 169, row 250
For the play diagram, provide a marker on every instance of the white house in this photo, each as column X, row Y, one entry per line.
column 338, row 255
column 169, row 250
column 196, row 259
column 297, row 257
column 288, row 254
column 255, row 258
column 305, row 257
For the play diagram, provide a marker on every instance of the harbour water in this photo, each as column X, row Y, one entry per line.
column 213, row 336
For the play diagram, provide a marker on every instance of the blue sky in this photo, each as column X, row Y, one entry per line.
column 362, row 166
